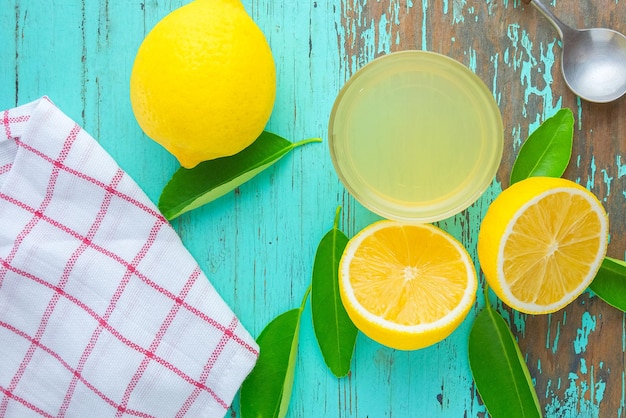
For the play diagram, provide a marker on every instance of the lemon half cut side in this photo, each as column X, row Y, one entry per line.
column 406, row 286
column 541, row 243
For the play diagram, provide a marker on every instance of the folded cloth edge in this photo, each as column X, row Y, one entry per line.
column 46, row 106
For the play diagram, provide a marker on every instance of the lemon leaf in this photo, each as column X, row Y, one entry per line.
column 268, row 386
column 189, row 189
column 610, row 283
column 335, row 332
column 498, row 368
column 266, row 392
column 547, row 150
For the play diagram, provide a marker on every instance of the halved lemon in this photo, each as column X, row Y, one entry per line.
column 406, row 286
column 541, row 243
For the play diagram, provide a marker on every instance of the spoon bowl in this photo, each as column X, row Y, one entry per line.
column 593, row 60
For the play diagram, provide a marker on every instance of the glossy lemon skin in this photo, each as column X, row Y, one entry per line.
column 203, row 83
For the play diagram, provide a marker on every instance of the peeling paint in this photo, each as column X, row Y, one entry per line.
column 424, row 25
column 621, row 168
column 384, row 30
column 396, row 12
column 620, row 410
column 555, row 341
column 517, row 137
column 494, row 85
column 582, row 334
column 591, row 179
column 607, row 180
column 580, row 115
column 472, row 59
column 457, row 11
column 520, row 56
column 581, row 398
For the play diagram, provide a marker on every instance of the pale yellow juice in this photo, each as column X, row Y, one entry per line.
column 416, row 136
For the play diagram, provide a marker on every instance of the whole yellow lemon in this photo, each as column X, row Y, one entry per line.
column 203, row 82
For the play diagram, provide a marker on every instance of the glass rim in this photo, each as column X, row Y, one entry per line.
column 441, row 211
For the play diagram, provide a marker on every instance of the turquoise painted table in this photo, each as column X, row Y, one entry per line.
column 257, row 244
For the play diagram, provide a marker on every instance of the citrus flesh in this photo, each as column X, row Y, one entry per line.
column 406, row 286
column 541, row 243
column 203, row 82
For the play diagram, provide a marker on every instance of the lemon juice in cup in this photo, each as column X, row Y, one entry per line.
column 415, row 136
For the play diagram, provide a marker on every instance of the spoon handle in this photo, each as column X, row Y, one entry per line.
column 560, row 27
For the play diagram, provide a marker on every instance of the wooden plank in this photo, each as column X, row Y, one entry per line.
column 257, row 244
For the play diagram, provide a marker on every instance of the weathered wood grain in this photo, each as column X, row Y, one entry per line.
column 576, row 356
column 257, row 245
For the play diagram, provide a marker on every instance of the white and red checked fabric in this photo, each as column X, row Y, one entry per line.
column 103, row 312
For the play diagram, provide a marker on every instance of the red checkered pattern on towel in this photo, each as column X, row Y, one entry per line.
column 103, row 312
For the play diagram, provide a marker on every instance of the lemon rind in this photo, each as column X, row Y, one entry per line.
column 533, row 308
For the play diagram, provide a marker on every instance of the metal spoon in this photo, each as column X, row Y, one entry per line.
column 593, row 60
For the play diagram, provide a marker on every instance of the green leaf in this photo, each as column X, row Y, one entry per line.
column 266, row 392
column 189, row 189
column 547, row 150
column 610, row 283
column 335, row 332
column 499, row 370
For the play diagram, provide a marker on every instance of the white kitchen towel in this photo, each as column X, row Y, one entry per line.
column 103, row 312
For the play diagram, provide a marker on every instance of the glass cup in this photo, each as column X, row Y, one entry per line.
column 415, row 136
